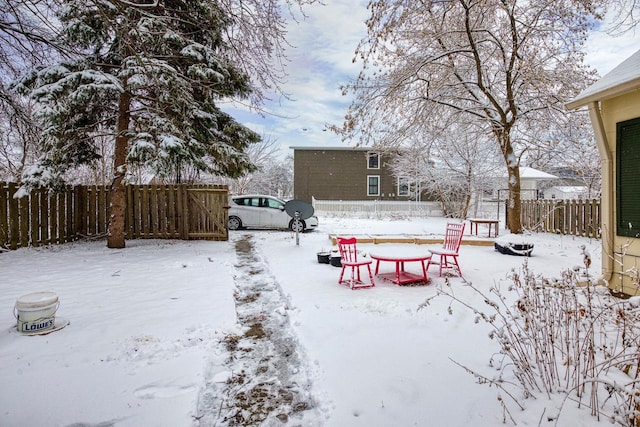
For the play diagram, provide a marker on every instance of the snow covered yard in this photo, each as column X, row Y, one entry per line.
column 143, row 324
column 171, row 333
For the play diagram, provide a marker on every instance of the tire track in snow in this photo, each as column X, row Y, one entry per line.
column 266, row 383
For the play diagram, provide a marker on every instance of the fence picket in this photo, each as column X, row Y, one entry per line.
column 172, row 228
column 53, row 215
column 102, row 209
column 4, row 215
column 34, row 215
column 573, row 217
column 153, row 210
column 129, row 217
column 92, row 200
column 45, row 233
column 23, row 220
column 14, row 228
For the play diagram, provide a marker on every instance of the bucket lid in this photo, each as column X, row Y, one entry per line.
column 37, row 299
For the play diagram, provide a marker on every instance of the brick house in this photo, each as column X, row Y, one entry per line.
column 344, row 173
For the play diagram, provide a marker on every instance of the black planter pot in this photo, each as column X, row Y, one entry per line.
column 323, row 257
column 336, row 261
column 518, row 249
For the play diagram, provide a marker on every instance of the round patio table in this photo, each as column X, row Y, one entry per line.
column 401, row 256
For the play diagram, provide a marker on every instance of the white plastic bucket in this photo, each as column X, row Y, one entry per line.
column 36, row 312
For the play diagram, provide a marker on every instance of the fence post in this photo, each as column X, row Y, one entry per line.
column 4, row 208
column 14, row 216
column 597, row 232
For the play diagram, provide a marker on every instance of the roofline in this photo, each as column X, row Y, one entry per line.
column 621, row 89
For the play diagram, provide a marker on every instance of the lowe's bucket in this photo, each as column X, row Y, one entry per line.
column 36, row 312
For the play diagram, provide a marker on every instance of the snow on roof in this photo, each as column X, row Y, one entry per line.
column 531, row 173
column 527, row 173
column 569, row 188
column 622, row 79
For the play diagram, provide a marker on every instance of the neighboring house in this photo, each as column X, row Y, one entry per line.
column 614, row 109
column 530, row 178
column 344, row 173
column 530, row 182
column 563, row 192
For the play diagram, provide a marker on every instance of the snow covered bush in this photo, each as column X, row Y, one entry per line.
column 563, row 338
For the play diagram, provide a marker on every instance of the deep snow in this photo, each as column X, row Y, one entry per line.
column 175, row 333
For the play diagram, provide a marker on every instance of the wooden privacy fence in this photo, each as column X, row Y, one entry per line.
column 574, row 217
column 152, row 211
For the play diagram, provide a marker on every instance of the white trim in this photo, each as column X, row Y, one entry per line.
column 378, row 178
column 371, row 154
column 406, row 183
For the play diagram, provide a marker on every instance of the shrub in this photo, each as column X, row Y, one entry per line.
column 563, row 337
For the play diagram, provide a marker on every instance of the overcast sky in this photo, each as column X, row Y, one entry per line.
column 322, row 60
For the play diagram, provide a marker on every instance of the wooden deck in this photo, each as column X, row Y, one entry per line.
column 407, row 238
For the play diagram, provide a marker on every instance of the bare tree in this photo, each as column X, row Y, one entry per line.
column 261, row 154
column 257, row 40
column 625, row 16
column 571, row 149
column 275, row 178
column 453, row 167
column 27, row 34
column 18, row 134
column 507, row 66
column 27, row 38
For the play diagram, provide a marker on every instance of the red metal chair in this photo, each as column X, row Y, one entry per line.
column 349, row 260
column 448, row 254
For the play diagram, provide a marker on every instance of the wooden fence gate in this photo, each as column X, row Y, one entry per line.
column 206, row 213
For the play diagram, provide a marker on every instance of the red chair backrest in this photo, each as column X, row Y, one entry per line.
column 348, row 249
column 453, row 236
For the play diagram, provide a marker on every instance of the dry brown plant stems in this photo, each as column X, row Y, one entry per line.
column 564, row 337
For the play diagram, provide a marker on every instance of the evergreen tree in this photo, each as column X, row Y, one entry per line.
column 150, row 74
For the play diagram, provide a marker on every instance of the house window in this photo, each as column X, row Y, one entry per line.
column 403, row 186
column 373, row 161
column 628, row 179
column 373, row 185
